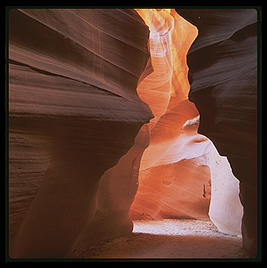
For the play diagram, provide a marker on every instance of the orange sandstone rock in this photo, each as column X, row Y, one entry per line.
column 181, row 170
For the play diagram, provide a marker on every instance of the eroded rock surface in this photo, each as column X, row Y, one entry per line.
column 81, row 92
column 223, row 76
column 181, row 173
column 73, row 105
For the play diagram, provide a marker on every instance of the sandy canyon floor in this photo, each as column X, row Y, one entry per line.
column 170, row 239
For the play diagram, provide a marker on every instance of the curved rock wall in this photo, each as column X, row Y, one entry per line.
column 223, row 76
column 79, row 142
column 181, row 173
column 165, row 91
column 73, row 112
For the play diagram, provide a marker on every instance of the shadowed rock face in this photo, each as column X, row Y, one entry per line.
column 73, row 112
column 223, row 76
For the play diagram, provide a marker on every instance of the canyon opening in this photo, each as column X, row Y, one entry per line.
column 132, row 133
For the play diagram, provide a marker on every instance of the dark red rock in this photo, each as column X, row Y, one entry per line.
column 115, row 194
column 72, row 101
column 223, row 76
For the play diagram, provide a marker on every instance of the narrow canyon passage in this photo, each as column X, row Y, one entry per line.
column 181, row 174
column 126, row 138
column 186, row 190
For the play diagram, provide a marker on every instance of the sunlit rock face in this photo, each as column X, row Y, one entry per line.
column 165, row 91
column 73, row 113
column 223, row 75
column 181, row 173
column 225, row 209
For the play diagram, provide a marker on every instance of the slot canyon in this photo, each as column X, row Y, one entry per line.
column 132, row 133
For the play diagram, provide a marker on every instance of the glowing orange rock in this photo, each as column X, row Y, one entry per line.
column 165, row 180
column 181, row 170
column 169, row 41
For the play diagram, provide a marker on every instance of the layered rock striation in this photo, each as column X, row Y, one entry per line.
column 84, row 158
column 73, row 112
column 223, row 85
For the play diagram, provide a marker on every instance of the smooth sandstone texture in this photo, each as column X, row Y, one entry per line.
column 223, row 76
column 161, row 183
column 79, row 143
column 73, row 113
column 115, row 194
column 181, row 173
